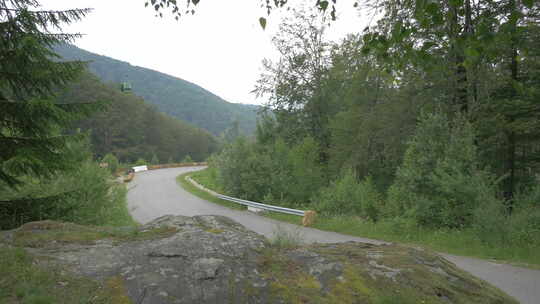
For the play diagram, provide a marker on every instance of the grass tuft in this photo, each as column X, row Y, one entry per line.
column 49, row 233
column 181, row 179
column 283, row 238
column 25, row 281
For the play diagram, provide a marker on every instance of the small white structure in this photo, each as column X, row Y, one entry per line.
column 140, row 168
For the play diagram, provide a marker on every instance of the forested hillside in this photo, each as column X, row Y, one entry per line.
column 174, row 96
column 131, row 129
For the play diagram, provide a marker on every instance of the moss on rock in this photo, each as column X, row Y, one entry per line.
column 212, row 259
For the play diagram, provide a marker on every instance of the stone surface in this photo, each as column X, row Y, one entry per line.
column 212, row 259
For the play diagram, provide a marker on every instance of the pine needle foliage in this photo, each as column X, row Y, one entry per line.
column 32, row 124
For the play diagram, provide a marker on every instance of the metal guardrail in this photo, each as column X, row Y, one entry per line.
column 247, row 203
column 261, row 206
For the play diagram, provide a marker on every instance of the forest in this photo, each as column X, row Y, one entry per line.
column 179, row 98
column 428, row 119
column 131, row 129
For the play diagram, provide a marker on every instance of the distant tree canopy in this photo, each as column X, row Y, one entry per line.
column 174, row 96
column 131, row 129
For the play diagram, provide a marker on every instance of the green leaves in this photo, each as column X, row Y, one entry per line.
column 472, row 52
column 456, row 3
column 262, row 22
column 528, row 3
column 323, row 5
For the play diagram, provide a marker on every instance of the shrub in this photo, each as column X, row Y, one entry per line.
column 305, row 170
column 524, row 227
column 187, row 159
column 490, row 223
column 439, row 183
column 347, row 196
column 494, row 224
column 112, row 162
column 141, row 162
column 84, row 196
column 371, row 200
column 252, row 171
column 233, row 165
column 286, row 238
column 154, row 160
column 340, row 197
column 524, row 222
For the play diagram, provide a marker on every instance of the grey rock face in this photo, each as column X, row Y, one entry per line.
column 212, row 259
column 198, row 264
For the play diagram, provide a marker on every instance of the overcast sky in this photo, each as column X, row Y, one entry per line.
column 219, row 48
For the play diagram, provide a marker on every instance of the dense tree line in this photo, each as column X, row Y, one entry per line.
column 131, row 129
column 432, row 116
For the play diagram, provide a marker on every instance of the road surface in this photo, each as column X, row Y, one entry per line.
column 155, row 193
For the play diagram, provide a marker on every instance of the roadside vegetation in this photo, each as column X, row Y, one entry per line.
column 201, row 177
column 406, row 132
column 86, row 194
column 465, row 242
column 131, row 129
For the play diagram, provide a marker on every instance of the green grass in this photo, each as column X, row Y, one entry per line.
column 111, row 212
column 24, row 281
column 181, row 179
column 457, row 242
column 117, row 213
column 207, row 178
column 51, row 233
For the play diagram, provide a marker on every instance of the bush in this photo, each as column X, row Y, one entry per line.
column 490, row 224
column 154, row 160
column 285, row 238
column 253, row 171
column 524, row 222
column 371, row 200
column 347, row 196
column 235, row 169
column 305, row 172
column 494, row 224
column 439, row 183
column 84, row 196
column 141, row 162
column 187, row 159
column 112, row 162
column 340, row 197
column 524, row 227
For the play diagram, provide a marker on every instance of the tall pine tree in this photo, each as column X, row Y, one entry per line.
column 32, row 137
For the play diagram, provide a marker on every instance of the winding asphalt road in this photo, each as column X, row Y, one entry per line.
column 155, row 193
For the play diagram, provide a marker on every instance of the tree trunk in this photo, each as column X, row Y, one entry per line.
column 512, row 142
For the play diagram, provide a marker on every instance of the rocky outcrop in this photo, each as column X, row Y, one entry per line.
column 212, row 259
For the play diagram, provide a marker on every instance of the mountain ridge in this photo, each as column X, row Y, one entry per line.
column 172, row 95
